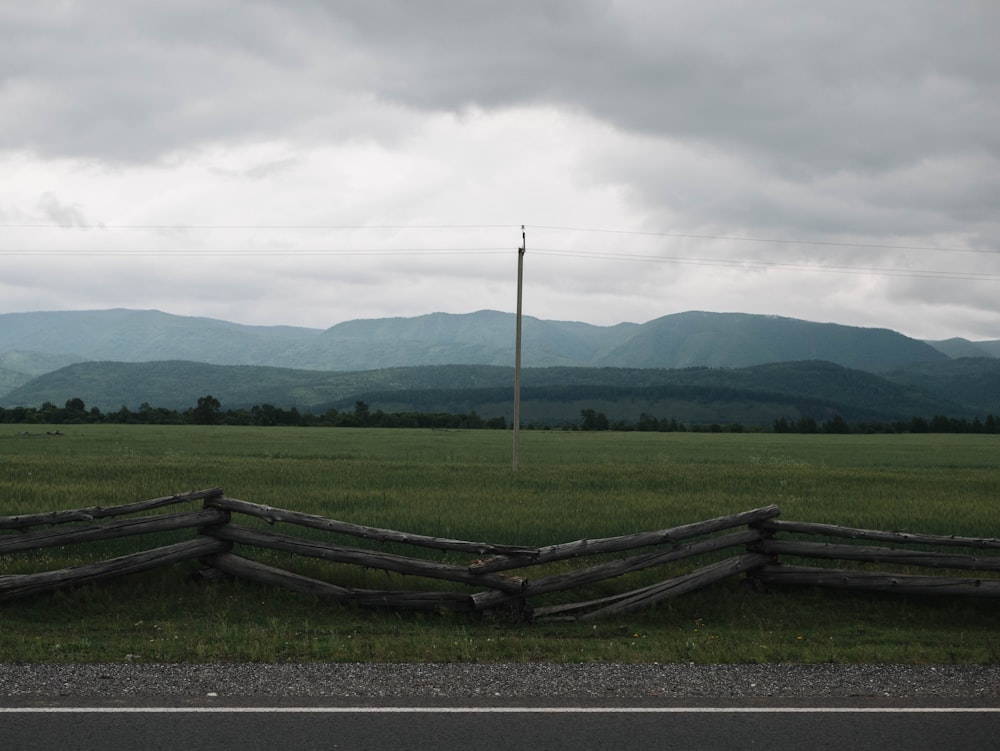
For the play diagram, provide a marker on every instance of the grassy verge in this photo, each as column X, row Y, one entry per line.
column 459, row 484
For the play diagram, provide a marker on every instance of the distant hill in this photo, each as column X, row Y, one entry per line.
column 972, row 382
column 739, row 340
column 482, row 338
column 756, row 395
column 958, row 347
column 695, row 366
column 144, row 335
column 17, row 367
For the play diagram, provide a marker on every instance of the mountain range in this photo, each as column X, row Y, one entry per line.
column 743, row 366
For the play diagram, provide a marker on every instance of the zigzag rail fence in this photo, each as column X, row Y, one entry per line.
column 497, row 579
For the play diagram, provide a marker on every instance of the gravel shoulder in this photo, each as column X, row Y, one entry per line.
column 521, row 681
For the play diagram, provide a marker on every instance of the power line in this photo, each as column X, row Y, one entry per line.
column 466, row 250
column 736, row 263
column 256, row 226
column 253, row 252
column 779, row 241
column 482, row 251
column 558, row 228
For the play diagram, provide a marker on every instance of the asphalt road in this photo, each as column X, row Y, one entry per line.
column 457, row 728
column 117, row 706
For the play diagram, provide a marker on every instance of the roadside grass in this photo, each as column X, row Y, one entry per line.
column 460, row 484
column 151, row 619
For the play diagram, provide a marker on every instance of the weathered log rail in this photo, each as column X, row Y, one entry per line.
column 25, row 521
column 502, row 577
column 90, row 527
column 779, row 573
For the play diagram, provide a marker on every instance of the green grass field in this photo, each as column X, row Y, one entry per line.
column 460, row 484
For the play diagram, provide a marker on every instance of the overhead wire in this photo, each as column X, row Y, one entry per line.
column 738, row 263
column 256, row 226
column 467, row 250
column 560, row 228
column 780, row 241
column 256, row 252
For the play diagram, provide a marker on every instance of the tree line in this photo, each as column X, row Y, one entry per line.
column 592, row 420
column 209, row 411
column 936, row 424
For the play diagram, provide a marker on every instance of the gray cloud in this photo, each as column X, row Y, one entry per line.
column 801, row 90
column 59, row 213
column 851, row 122
column 805, row 87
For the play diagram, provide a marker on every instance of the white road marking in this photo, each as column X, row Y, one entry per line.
column 499, row 710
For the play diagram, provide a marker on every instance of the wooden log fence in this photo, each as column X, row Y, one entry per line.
column 754, row 544
column 90, row 527
column 23, row 522
column 29, row 584
column 778, row 573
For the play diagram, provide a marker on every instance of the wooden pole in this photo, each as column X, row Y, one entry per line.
column 517, row 354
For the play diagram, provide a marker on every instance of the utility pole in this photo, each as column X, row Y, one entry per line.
column 517, row 354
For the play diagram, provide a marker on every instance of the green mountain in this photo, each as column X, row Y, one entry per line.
column 17, row 367
column 143, row 335
column 739, row 340
column 959, row 347
column 756, row 395
column 972, row 382
column 695, row 366
column 482, row 338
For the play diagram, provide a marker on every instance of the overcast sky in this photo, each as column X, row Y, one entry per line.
column 311, row 162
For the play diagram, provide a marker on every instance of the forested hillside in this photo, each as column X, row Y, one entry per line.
column 483, row 338
column 974, row 382
column 701, row 367
column 958, row 347
column 756, row 395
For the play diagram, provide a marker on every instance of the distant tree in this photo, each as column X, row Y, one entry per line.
column 361, row 412
column 237, row 417
column 806, row 425
column 208, row 411
column 942, row 424
column 50, row 413
column 836, row 424
column 470, row 421
column 647, row 423
column 594, row 420
column 123, row 415
column 262, row 414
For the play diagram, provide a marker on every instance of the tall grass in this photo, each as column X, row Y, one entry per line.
column 460, row 484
